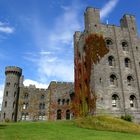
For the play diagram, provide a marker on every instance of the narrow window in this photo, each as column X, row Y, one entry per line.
column 63, row 101
column 5, row 104
column 26, row 96
column 127, row 62
column 68, row 115
column 111, row 61
column 130, row 81
column 133, row 101
column 115, row 100
column 13, row 104
column 109, row 43
column 113, row 80
column 15, row 94
column 6, row 93
column 42, row 97
column 58, row 101
column 4, row 115
column 68, row 101
column 125, row 46
column 58, row 114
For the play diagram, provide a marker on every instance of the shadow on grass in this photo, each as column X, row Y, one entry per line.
column 2, row 126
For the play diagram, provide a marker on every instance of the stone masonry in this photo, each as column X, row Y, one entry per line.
column 115, row 79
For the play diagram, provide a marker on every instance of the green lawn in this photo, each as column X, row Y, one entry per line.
column 59, row 130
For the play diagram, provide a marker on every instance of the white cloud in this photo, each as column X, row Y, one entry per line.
column 4, row 28
column 55, row 60
column 108, row 8
column 28, row 82
column 59, row 69
column 7, row 30
column 1, row 94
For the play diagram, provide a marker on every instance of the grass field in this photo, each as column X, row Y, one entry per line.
column 59, row 130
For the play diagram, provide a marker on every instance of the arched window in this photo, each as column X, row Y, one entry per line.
column 124, row 46
column 68, row 101
column 25, row 105
column 115, row 101
column 130, row 81
column 42, row 106
column 127, row 62
column 42, row 96
column 6, row 93
column 4, row 115
column 63, row 101
column 24, row 116
column 59, row 114
column 68, row 115
column 41, row 116
column 5, row 104
column 59, row 101
column 133, row 101
column 113, row 80
column 109, row 42
column 111, row 61
column 26, row 96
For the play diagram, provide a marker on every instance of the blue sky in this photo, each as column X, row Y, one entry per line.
column 37, row 35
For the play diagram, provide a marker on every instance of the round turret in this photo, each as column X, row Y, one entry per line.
column 14, row 70
column 11, row 93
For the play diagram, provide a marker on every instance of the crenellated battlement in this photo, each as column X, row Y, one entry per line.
column 13, row 69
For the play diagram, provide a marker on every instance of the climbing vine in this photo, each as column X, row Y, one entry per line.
column 93, row 50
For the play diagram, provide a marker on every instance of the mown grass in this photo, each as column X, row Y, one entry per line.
column 108, row 123
column 59, row 130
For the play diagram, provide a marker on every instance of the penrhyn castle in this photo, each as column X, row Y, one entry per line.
column 107, row 77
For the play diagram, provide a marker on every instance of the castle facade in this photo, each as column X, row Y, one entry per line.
column 107, row 67
column 107, row 77
column 22, row 103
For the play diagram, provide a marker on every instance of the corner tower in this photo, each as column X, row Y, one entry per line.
column 11, row 93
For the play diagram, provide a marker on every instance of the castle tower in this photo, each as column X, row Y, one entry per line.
column 92, row 20
column 11, row 93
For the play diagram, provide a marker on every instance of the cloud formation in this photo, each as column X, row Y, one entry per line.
column 28, row 82
column 55, row 60
column 107, row 9
column 1, row 94
column 4, row 28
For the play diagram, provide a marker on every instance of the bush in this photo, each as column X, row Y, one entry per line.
column 7, row 120
column 127, row 118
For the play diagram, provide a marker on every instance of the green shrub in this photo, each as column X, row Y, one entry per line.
column 127, row 118
column 7, row 120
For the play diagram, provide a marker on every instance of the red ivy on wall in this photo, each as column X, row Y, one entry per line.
column 93, row 50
